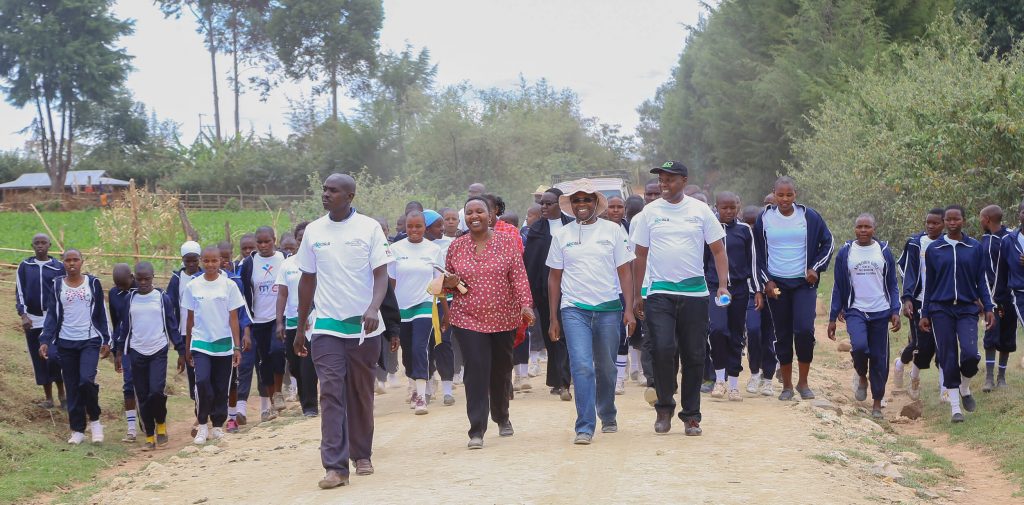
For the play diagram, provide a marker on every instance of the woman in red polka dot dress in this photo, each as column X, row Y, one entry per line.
column 485, row 318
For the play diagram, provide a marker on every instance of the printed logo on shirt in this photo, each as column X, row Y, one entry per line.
column 320, row 245
column 268, row 270
column 356, row 242
column 692, row 219
column 660, row 219
column 605, row 242
column 572, row 244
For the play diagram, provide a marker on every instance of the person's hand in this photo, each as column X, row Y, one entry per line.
column 236, row 358
column 394, row 344
column 832, row 330
column 554, row 330
column 812, row 276
column 26, row 323
column 895, row 323
column 444, row 323
column 908, row 309
column 1000, row 311
column 188, row 358
column 300, row 346
column 990, row 320
column 42, row 351
column 925, row 325
column 723, row 291
column 842, row 317
column 758, row 301
column 528, row 316
column 771, row 290
column 104, row 351
column 450, row 281
column 181, row 363
column 629, row 321
column 117, row 363
column 280, row 332
column 638, row 308
column 246, row 342
column 370, row 321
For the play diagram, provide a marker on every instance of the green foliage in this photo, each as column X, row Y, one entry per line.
column 930, row 125
column 374, row 197
column 1004, row 20
column 232, row 205
column 15, row 163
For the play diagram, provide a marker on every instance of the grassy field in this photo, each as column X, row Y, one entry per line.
column 78, row 228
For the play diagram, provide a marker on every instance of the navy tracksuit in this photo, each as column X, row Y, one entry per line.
column 921, row 348
column 1010, row 280
column 117, row 304
column 150, row 377
column 727, row 323
column 794, row 310
column 79, row 359
column 869, row 331
column 1003, row 336
column 33, row 288
column 955, row 285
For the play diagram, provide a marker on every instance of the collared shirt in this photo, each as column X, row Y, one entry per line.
column 497, row 286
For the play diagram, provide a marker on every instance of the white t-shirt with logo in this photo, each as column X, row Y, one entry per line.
column 588, row 256
column 925, row 242
column 264, row 296
column 343, row 256
column 675, row 235
column 554, row 225
column 288, row 276
column 867, row 274
column 77, row 312
column 212, row 302
column 646, row 284
column 412, row 270
column 786, row 238
column 147, row 315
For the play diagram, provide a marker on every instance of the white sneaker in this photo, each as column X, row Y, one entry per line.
column 381, row 387
column 97, row 431
column 517, row 383
column 651, row 396
column 457, row 379
column 620, row 385
column 755, row 380
column 735, row 396
column 392, row 380
column 217, row 433
column 719, row 390
column 412, row 400
column 533, row 371
column 897, row 368
column 201, row 434
column 420, row 406
column 77, row 437
column 767, row 387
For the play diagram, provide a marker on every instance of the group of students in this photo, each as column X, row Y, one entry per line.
column 636, row 287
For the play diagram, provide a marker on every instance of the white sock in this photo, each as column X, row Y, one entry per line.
column 534, row 357
column 129, row 416
column 294, row 383
column 720, row 375
column 264, row 404
column 915, row 373
column 232, row 411
column 734, row 383
column 620, row 366
column 954, row 401
column 240, row 407
column 898, row 366
column 446, row 387
column 95, row 425
column 523, row 370
column 965, row 386
column 421, row 388
column 756, row 375
column 634, row 359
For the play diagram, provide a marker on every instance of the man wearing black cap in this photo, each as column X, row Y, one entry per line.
column 670, row 235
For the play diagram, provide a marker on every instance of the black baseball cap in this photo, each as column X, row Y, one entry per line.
column 671, row 167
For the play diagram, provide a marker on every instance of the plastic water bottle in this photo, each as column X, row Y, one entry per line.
column 723, row 300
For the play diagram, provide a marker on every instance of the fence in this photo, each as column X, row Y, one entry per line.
column 217, row 201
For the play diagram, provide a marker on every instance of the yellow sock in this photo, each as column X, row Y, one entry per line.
column 150, row 439
column 161, row 429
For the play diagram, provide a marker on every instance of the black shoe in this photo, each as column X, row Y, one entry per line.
column 505, row 429
column 957, row 418
column 968, row 402
column 664, row 422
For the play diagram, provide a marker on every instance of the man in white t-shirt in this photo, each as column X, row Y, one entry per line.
column 670, row 235
column 343, row 258
column 474, row 190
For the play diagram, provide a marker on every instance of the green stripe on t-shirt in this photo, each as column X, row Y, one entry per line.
column 219, row 346
column 643, row 292
column 291, row 323
column 691, row 285
column 349, row 326
column 416, row 311
column 609, row 306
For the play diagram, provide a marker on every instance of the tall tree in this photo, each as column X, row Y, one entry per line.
column 243, row 23
column 327, row 41
column 55, row 55
column 206, row 15
column 1004, row 20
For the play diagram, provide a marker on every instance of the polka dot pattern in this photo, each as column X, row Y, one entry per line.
column 496, row 281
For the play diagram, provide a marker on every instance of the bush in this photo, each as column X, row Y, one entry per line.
column 232, row 204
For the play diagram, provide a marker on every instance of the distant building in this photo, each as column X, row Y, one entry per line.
column 75, row 182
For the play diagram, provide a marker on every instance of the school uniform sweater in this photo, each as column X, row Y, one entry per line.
column 117, row 305
column 55, row 312
column 1010, row 273
column 739, row 248
column 910, row 265
column 819, row 242
column 843, row 293
column 956, row 274
column 991, row 245
column 34, row 285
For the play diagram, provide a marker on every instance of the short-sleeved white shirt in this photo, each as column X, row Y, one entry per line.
column 588, row 256
column 77, row 306
column 412, row 270
column 288, row 276
column 147, row 315
column 675, row 235
column 866, row 266
column 212, row 303
column 343, row 256
column 264, row 289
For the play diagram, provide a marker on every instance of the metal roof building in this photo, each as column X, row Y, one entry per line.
column 72, row 178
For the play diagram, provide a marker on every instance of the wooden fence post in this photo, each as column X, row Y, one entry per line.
column 134, row 200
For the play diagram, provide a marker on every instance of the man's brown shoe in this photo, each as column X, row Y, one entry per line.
column 333, row 479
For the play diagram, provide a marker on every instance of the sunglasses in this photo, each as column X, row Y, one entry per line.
column 584, row 199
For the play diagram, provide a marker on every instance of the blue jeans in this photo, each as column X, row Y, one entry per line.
column 593, row 340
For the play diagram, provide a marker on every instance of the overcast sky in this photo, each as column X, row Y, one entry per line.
column 614, row 54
